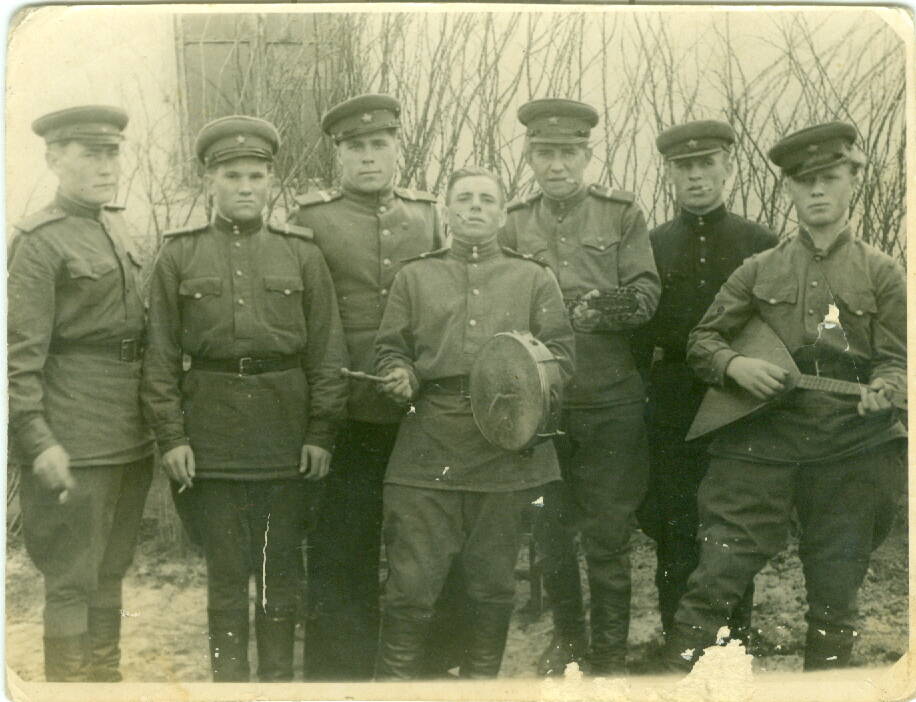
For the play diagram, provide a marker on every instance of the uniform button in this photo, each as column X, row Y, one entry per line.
column 235, row 229
column 197, row 296
column 563, row 239
column 818, row 258
column 382, row 209
column 238, row 244
column 475, row 291
column 565, row 263
column 386, row 232
column 859, row 313
column 241, row 301
column 813, row 283
column 702, row 238
column 387, row 262
column 287, row 291
column 702, row 260
column 810, row 311
column 702, row 283
column 560, row 218
column 772, row 300
column 474, row 265
column 384, row 291
column 238, row 272
column 472, row 322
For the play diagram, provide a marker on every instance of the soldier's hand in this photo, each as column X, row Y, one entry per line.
column 584, row 318
column 764, row 380
column 397, row 385
column 874, row 398
column 52, row 468
column 314, row 462
column 179, row 465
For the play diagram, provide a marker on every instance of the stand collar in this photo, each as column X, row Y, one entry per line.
column 229, row 226
column 76, row 209
column 468, row 251
column 701, row 221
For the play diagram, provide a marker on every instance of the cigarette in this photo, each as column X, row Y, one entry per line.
column 182, row 489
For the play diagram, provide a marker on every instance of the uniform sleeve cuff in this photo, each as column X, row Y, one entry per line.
column 720, row 361
column 35, row 437
column 166, row 446
column 321, row 433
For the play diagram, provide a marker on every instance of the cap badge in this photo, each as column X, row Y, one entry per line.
column 366, row 117
column 692, row 143
column 553, row 120
column 240, row 139
column 812, row 148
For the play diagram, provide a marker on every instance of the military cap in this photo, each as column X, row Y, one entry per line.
column 817, row 147
column 89, row 124
column 360, row 115
column 698, row 138
column 558, row 121
column 236, row 136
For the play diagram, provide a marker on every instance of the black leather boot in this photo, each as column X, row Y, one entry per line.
column 229, row 645
column 569, row 642
column 828, row 647
column 402, row 647
column 275, row 633
column 446, row 647
column 487, row 631
column 66, row 658
column 104, row 640
column 609, row 610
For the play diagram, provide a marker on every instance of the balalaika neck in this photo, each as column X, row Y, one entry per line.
column 818, row 382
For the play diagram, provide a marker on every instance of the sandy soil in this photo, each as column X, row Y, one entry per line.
column 164, row 627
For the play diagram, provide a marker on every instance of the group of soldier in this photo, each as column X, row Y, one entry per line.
column 229, row 366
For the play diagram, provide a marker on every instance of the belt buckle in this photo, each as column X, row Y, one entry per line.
column 129, row 350
column 243, row 365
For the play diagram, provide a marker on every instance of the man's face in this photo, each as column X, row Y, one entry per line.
column 239, row 188
column 558, row 168
column 367, row 162
column 699, row 181
column 476, row 210
column 88, row 173
column 822, row 198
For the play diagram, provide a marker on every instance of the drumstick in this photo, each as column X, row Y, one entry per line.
column 359, row 375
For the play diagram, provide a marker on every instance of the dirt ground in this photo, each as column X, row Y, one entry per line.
column 164, row 626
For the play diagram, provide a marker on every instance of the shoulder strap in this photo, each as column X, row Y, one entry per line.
column 524, row 201
column 192, row 229
column 428, row 254
column 614, row 195
column 524, row 256
column 287, row 229
column 416, row 195
column 38, row 219
column 114, row 208
column 318, row 197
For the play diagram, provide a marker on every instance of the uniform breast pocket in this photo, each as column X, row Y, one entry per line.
column 857, row 309
column 200, row 296
column 92, row 279
column 597, row 263
column 776, row 300
column 283, row 301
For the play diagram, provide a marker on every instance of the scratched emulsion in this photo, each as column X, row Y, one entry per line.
column 264, row 566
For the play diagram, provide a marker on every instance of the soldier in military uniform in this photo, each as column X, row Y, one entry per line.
column 75, row 329
column 249, row 427
column 366, row 228
column 596, row 242
column 695, row 253
column 451, row 496
column 839, row 307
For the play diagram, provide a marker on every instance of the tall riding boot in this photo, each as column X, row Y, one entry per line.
column 828, row 647
column 104, row 640
column 66, row 658
column 446, row 647
column 275, row 633
column 487, row 632
column 609, row 584
column 569, row 642
column 229, row 645
column 739, row 623
column 402, row 647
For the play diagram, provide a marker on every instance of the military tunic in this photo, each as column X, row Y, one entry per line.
column 694, row 254
column 228, row 291
column 841, row 312
column 75, row 326
column 442, row 309
column 595, row 239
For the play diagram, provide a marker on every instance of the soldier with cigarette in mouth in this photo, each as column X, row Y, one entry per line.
column 595, row 241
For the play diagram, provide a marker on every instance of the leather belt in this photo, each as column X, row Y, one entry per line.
column 126, row 350
column 247, row 365
column 453, row 385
